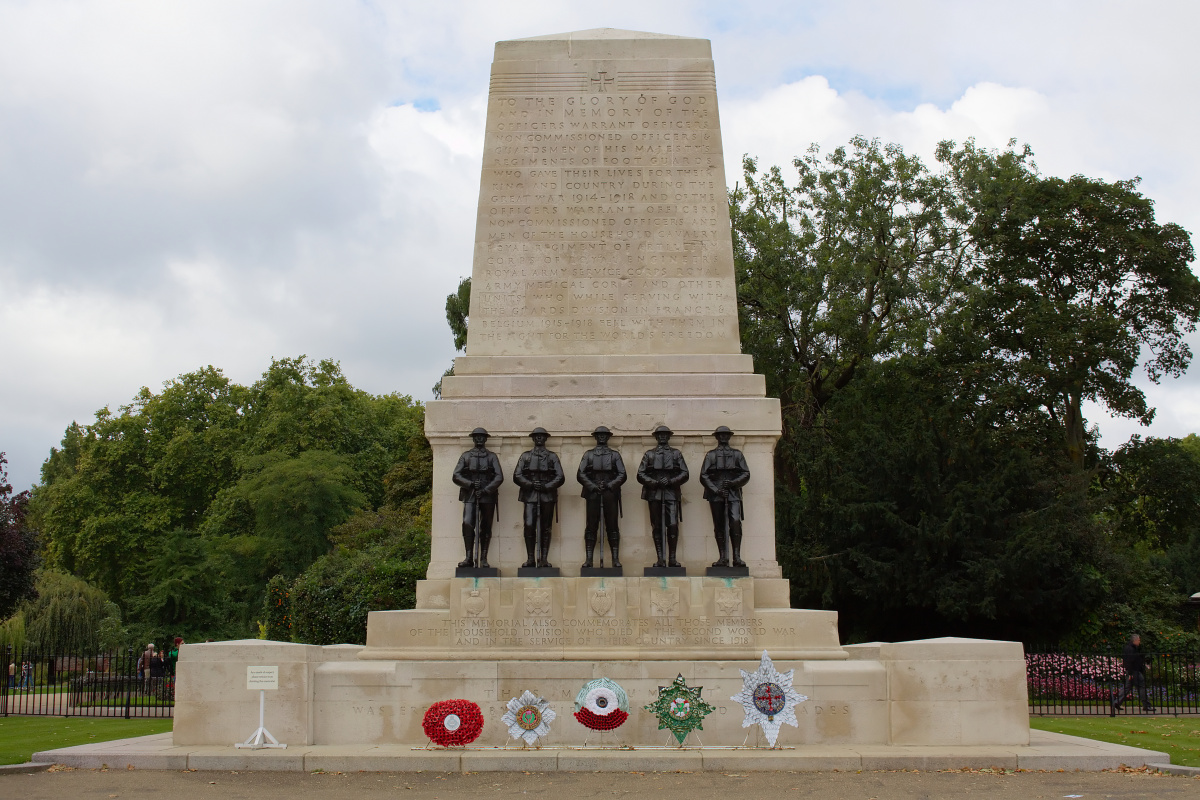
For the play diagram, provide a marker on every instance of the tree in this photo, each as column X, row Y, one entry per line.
column 458, row 307
column 1074, row 280
column 69, row 615
column 19, row 556
column 849, row 265
column 931, row 338
column 183, row 503
column 928, row 513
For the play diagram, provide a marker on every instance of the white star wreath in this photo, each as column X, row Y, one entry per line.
column 768, row 698
column 528, row 717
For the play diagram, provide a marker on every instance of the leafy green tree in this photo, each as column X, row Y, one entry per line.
column 925, row 513
column 379, row 558
column 69, row 615
column 182, row 504
column 850, row 264
column 458, row 310
column 19, row 556
column 1075, row 279
column 931, row 338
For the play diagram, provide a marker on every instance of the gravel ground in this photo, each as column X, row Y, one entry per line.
column 897, row 785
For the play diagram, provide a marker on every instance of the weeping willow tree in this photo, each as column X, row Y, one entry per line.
column 69, row 615
column 12, row 633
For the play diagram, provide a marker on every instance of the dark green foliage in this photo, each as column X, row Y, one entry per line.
column 375, row 568
column 458, row 311
column 931, row 338
column 923, row 514
column 183, row 504
column 458, row 308
column 277, row 612
column 19, row 546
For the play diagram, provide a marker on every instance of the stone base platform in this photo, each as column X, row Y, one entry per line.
column 1045, row 751
column 945, row 692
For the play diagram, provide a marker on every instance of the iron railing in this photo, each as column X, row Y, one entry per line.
column 1070, row 683
column 73, row 684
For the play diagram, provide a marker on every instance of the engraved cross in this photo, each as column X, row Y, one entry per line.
column 600, row 84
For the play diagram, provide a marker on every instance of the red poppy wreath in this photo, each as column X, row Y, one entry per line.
column 453, row 722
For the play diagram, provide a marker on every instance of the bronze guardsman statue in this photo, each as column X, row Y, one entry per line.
column 539, row 474
column 723, row 475
column 601, row 473
column 661, row 473
column 478, row 476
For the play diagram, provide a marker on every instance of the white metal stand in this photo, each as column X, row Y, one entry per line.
column 255, row 742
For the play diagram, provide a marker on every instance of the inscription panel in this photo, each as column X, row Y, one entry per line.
column 598, row 631
column 603, row 222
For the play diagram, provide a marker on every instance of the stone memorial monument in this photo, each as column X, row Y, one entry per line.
column 603, row 295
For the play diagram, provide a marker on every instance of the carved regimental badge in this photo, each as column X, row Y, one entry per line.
column 729, row 602
column 664, row 602
column 537, row 602
column 475, row 601
column 601, row 602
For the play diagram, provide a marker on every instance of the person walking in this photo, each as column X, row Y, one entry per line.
column 26, row 676
column 1134, row 662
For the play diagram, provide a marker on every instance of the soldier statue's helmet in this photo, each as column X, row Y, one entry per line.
column 540, row 430
column 600, row 429
column 663, row 429
column 480, row 431
column 722, row 429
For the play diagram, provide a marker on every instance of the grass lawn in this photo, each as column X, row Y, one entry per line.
column 21, row 737
column 1180, row 737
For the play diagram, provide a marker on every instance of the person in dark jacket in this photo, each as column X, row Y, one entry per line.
column 1135, row 675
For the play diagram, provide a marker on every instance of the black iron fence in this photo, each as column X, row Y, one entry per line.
column 81, row 685
column 1086, row 683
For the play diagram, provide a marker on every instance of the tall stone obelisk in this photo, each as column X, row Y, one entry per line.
column 603, row 291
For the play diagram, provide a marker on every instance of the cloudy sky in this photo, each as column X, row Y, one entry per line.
column 192, row 183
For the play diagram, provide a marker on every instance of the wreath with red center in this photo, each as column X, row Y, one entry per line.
column 451, row 723
column 602, row 705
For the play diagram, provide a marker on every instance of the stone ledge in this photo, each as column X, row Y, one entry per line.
column 1048, row 752
column 1176, row 769
column 28, row 767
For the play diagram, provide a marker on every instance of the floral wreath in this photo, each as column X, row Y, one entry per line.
column 528, row 717
column 602, row 705
column 451, row 723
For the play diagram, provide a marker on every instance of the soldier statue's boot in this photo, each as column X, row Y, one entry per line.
column 589, row 549
column 544, row 561
column 484, row 541
column 658, row 549
column 530, row 545
column 737, row 550
column 469, row 543
column 672, row 542
column 615, row 546
column 723, row 560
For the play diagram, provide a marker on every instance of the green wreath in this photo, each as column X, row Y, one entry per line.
column 680, row 709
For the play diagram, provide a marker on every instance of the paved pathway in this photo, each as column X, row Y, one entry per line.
column 896, row 785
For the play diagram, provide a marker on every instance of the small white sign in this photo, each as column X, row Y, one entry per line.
column 262, row 677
